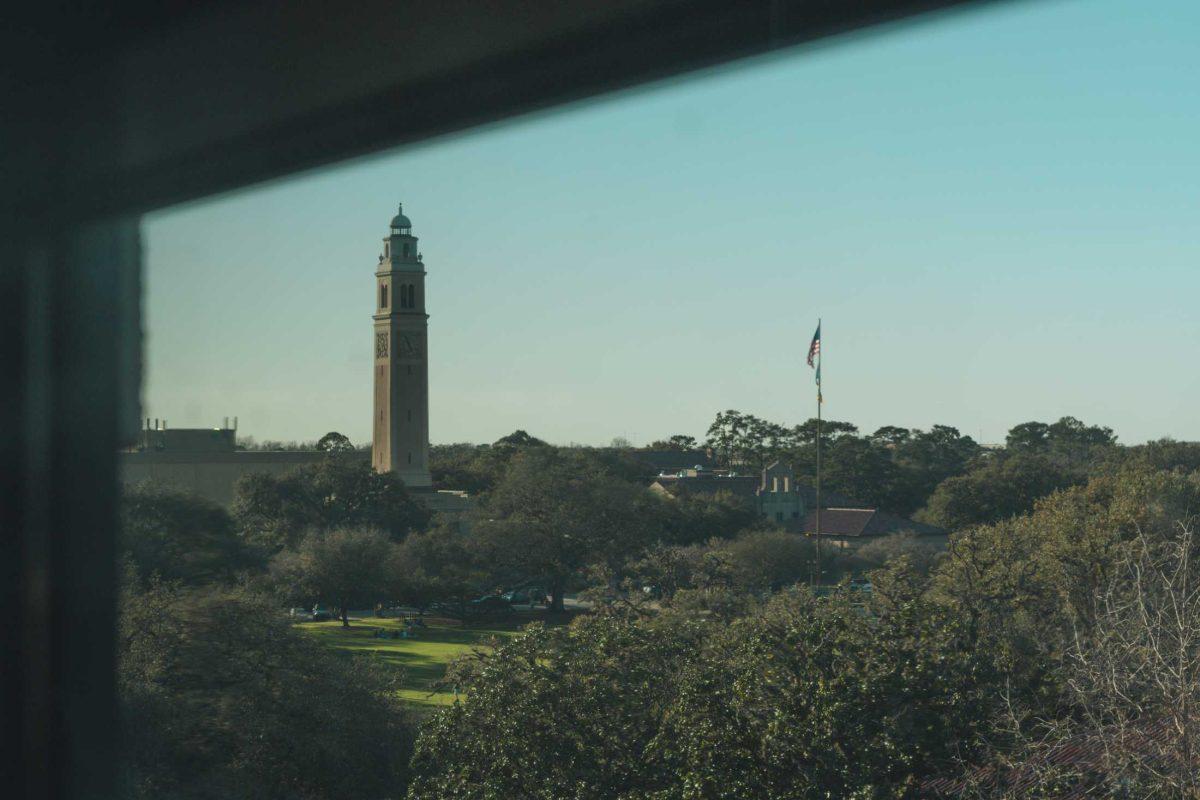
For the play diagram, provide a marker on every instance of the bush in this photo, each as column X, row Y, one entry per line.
column 222, row 698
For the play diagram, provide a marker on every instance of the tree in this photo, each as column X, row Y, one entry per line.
column 936, row 454
column 1128, row 723
column 766, row 561
column 437, row 566
column 996, row 490
column 678, row 441
column 334, row 442
column 859, row 468
column 920, row 552
column 519, row 439
column 1023, row 585
column 221, row 696
column 276, row 511
column 344, row 566
column 1028, row 437
column 180, row 537
column 1075, row 442
column 808, row 698
column 806, row 432
column 724, row 433
column 1137, row 670
column 554, row 514
column 693, row 518
column 556, row 712
column 1069, row 441
column 812, row 698
column 891, row 436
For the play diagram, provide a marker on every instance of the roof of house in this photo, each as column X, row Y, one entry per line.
column 862, row 522
column 828, row 499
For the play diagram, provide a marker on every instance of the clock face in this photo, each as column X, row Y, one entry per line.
column 381, row 345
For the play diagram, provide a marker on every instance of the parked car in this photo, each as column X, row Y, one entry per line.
column 516, row 597
column 300, row 614
column 321, row 613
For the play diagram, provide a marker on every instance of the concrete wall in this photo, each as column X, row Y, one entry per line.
column 212, row 475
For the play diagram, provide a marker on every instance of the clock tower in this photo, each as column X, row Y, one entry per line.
column 401, row 422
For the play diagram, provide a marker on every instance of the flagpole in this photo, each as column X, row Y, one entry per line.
column 819, row 349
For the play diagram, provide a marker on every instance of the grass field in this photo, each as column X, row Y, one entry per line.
column 423, row 658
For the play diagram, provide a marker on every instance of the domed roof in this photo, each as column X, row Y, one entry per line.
column 401, row 221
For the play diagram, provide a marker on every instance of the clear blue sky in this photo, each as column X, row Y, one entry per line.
column 996, row 213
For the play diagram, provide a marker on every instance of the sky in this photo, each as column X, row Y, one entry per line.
column 994, row 213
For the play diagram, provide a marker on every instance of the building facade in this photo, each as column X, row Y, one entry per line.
column 400, row 420
column 792, row 505
column 774, row 492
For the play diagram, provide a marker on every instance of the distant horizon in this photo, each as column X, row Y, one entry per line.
column 700, row 440
column 993, row 211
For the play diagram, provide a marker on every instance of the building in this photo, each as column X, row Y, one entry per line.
column 775, row 492
column 668, row 462
column 401, row 416
column 206, row 461
column 850, row 527
column 780, row 497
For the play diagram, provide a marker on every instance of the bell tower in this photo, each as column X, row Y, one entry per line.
column 401, row 422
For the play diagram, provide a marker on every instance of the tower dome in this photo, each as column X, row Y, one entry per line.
column 401, row 223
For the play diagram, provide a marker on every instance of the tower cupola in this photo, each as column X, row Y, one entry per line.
column 401, row 225
column 400, row 246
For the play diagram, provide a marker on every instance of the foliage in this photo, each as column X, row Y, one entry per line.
column 343, row 567
column 180, row 537
column 437, row 566
column 813, row 698
column 1024, row 586
column 921, row 553
column 893, row 468
column 998, row 489
column 695, row 518
column 477, row 468
column 275, row 512
column 755, row 562
column 766, row 561
column 556, row 712
column 863, row 469
column 677, row 442
column 1130, row 722
column 1162, row 454
column 334, row 442
column 1069, row 441
column 808, row 698
column 222, row 698
column 556, row 513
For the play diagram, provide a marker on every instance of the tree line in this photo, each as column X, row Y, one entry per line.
column 1053, row 654
column 981, row 656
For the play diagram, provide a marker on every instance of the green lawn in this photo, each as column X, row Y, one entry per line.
column 423, row 658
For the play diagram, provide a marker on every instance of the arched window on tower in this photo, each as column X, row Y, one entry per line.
column 406, row 249
column 383, row 295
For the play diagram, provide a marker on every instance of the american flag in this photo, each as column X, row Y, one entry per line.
column 814, row 349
